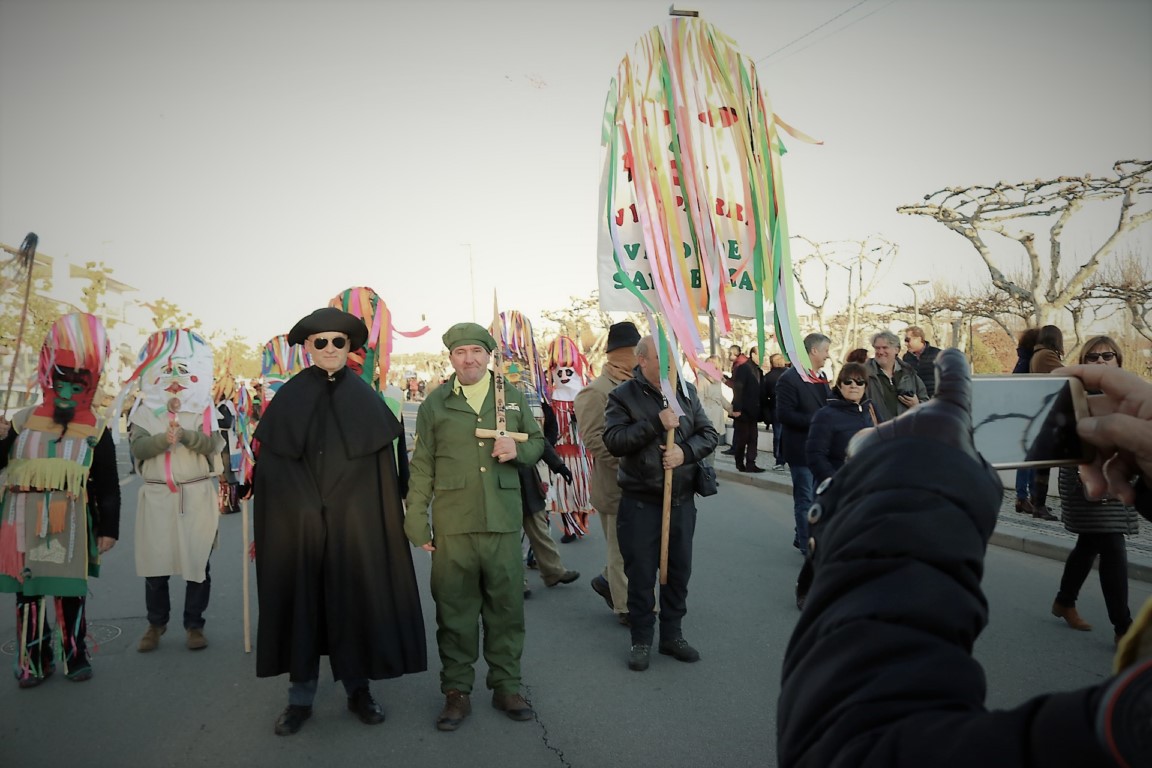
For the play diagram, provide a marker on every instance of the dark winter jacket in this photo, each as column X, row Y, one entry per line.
column 632, row 431
column 533, row 489
column 746, row 392
column 797, row 401
column 925, row 366
column 1023, row 360
column 832, row 427
column 768, row 395
column 879, row 671
column 882, row 391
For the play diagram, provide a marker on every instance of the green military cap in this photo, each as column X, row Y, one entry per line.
column 468, row 333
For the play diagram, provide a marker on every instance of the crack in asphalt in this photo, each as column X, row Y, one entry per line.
column 544, row 731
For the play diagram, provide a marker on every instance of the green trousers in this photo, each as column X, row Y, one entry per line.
column 478, row 577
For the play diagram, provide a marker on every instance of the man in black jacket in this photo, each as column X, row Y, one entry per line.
column 922, row 356
column 879, row 671
column 745, row 414
column 797, row 401
column 768, row 404
column 637, row 420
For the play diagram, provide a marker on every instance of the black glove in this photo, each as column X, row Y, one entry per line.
column 946, row 418
column 565, row 473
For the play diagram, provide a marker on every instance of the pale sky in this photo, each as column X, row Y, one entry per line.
column 250, row 159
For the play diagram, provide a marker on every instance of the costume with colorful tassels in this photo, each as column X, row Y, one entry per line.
column 61, row 496
column 178, row 448
column 568, row 373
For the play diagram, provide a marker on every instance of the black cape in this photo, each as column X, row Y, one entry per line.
column 333, row 566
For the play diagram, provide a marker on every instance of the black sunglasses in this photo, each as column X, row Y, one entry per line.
column 857, row 382
column 1092, row 357
column 337, row 342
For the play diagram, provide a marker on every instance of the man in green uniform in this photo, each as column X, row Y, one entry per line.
column 467, row 477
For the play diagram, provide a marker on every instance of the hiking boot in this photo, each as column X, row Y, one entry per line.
column 679, row 650
column 638, row 657
column 1072, row 616
column 565, row 578
column 457, row 706
column 151, row 639
column 196, row 640
column 513, row 705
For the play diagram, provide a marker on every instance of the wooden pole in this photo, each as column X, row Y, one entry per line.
column 666, row 511
column 244, row 579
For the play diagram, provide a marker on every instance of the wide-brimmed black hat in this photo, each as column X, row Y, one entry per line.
column 622, row 335
column 330, row 319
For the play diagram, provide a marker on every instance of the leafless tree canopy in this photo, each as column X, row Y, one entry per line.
column 1047, row 287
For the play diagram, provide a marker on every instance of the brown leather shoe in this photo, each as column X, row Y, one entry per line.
column 151, row 639
column 457, row 706
column 1024, row 507
column 1070, row 615
column 513, row 705
column 1041, row 512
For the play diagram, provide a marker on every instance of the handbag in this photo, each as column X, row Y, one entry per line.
column 705, row 481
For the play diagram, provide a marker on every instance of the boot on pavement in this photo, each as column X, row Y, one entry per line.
column 151, row 639
column 1072, row 616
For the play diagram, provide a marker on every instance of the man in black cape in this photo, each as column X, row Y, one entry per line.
column 334, row 570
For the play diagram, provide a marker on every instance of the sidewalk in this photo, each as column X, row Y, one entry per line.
column 1013, row 530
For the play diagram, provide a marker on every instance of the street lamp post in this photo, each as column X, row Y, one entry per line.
column 916, row 300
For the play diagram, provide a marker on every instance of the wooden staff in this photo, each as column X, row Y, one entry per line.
column 666, row 512
column 244, row 578
column 27, row 256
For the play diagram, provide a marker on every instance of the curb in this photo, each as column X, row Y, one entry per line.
column 1005, row 536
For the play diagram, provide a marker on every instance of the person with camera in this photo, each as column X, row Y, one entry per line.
column 893, row 385
column 879, row 670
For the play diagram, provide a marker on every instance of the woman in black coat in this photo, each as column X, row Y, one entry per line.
column 833, row 426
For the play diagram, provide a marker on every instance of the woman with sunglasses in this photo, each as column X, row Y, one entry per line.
column 846, row 413
column 1100, row 527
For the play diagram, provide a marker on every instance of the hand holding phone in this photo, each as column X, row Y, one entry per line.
column 1029, row 421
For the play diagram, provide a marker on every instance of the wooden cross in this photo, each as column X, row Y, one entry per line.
column 501, row 419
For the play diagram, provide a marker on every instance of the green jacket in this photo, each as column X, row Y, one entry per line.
column 453, row 472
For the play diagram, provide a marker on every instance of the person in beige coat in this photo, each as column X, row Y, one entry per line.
column 611, row 584
column 177, row 450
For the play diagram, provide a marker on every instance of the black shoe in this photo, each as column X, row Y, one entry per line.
column 755, row 469
column 638, row 657
column 365, row 707
column 291, row 719
column 568, row 538
column 679, row 650
column 565, row 578
column 600, row 587
column 728, row 452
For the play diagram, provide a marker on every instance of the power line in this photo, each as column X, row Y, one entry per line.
column 812, row 31
column 834, row 32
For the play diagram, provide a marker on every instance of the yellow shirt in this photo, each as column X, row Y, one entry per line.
column 474, row 393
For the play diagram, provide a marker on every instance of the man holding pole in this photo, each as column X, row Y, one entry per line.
column 473, row 433
column 659, row 452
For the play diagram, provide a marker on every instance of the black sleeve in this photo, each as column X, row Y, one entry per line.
column 104, row 488
column 552, row 459
column 879, row 670
column 401, row 463
column 6, row 446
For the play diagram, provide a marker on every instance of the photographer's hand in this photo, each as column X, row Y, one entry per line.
column 1120, row 428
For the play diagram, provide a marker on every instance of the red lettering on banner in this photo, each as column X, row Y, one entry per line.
column 620, row 215
column 727, row 116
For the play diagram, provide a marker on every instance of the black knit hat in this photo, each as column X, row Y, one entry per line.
column 330, row 319
column 622, row 335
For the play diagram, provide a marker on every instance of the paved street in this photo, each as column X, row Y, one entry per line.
column 176, row 707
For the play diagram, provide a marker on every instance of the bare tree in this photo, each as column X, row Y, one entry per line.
column 1006, row 209
column 855, row 265
column 165, row 314
column 1129, row 284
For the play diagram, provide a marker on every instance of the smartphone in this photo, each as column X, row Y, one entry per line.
column 1029, row 421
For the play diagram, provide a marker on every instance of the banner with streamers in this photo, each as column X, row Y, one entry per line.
column 692, row 218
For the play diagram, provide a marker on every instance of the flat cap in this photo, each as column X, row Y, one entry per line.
column 468, row 333
column 330, row 319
